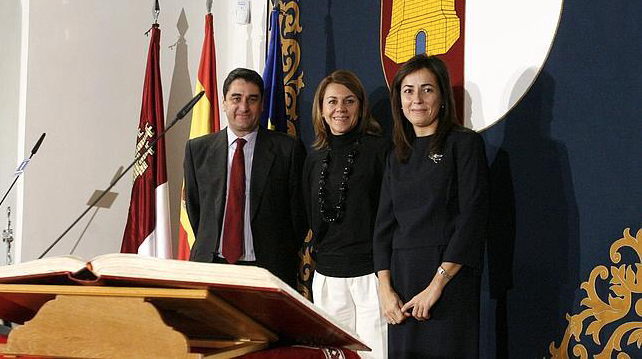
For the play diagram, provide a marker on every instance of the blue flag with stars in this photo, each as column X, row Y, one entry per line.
column 274, row 116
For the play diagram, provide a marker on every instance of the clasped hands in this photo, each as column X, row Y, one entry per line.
column 395, row 311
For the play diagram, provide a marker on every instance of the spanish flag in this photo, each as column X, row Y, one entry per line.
column 205, row 119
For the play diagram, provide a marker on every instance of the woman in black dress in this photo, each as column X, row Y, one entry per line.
column 430, row 231
column 341, row 185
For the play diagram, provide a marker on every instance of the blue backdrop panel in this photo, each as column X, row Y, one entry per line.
column 565, row 161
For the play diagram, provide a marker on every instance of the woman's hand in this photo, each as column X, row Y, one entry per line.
column 423, row 302
column 426, row 299
column 390, row 302
column 391, row 305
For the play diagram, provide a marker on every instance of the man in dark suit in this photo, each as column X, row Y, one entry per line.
column 243, row 187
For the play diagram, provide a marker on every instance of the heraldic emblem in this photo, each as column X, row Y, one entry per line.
column 432, row 27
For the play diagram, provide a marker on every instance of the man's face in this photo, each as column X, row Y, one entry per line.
column 243, row 105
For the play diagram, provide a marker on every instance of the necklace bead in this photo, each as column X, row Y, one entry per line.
column 335, row 213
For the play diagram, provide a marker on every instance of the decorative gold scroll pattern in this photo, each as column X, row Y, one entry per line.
column 306, row 268
column 293, row 83
column 623, row 305
column 291, row 53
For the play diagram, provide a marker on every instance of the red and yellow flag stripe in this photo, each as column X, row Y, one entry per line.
column 205, row 119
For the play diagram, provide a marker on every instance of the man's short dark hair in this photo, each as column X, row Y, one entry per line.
column 245, row 74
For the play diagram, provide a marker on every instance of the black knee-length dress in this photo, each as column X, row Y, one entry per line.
column 433, row 211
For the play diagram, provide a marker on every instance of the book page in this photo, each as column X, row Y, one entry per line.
column 42, row 267
column 135, row 266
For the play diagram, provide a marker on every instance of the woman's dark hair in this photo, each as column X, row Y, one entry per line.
column 366, row 124
column 403, row 134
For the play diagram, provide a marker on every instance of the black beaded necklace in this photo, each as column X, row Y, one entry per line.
column 335, row 214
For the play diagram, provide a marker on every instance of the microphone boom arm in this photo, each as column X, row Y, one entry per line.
column 179, row 116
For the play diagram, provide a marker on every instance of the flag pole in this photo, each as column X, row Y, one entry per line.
column 156, row 11
column 275, row 6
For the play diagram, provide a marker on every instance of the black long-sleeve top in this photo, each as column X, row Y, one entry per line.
column 424, row 203
column 344, row 249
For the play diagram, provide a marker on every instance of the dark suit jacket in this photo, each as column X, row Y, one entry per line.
column 277, row 213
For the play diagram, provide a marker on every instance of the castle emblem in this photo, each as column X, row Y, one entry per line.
column 421, row 26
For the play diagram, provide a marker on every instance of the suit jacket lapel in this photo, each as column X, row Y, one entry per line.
column 261, row 164
column 217, row 161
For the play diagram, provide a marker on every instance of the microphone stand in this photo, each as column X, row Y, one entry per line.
column 10, row 187
column 23, row 165
column 179, row 116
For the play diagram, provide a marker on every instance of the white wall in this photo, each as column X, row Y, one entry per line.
column 84, row 78
column 10, row 13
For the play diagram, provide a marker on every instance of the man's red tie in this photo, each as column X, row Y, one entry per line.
column 235, row 210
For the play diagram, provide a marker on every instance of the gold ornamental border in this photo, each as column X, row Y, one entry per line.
column 289, row 20
column 291, row 54
column 619, row 316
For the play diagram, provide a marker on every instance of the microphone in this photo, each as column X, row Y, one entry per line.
column 189, row 105
column 23, row 165
column 37, row 146
column 179, row 116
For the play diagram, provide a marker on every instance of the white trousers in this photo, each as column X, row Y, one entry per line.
column 354, row 302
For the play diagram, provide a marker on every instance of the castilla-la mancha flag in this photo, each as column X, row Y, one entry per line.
column 147, row 230
column 205, row 119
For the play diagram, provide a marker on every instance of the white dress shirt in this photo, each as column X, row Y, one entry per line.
column 248, row 153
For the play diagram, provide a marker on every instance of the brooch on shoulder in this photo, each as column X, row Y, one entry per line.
column 436, row 157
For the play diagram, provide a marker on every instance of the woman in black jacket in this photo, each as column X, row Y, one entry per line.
column 430, row 231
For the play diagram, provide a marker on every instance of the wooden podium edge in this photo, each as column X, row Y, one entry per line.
column 232, row 351
column 105, row 319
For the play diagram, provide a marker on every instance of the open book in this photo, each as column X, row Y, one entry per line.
column 253, row 290
column 122, row 268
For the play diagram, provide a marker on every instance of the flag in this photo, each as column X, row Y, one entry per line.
column 147, row 230
column 274, row 117
column 205, row 119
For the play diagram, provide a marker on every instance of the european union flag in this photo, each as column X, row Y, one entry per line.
column 274, row 117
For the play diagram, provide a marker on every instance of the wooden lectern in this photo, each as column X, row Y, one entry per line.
column 125, row 306
column 101, row 322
